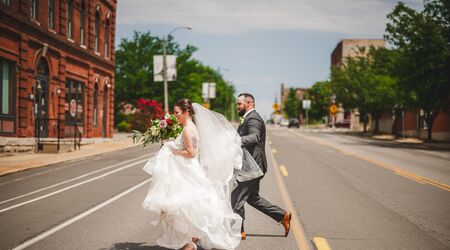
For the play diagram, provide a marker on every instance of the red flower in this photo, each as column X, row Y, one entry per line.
column 170, row 122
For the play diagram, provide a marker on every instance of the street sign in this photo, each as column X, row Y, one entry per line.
column 306, row 104
column 276, row 107
column 73, row 107
column 209, row 90
column 158, row 70
column 333, row 109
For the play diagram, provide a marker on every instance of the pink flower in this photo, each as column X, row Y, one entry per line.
column 163, row 124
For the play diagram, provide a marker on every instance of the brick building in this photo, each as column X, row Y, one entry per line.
column 410, row 124
column 344, row 49
column 57, row 62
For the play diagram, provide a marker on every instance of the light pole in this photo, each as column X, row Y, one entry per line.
column 166, row 89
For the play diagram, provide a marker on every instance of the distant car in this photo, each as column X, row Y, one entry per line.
column 294, row 122
column 284, row 122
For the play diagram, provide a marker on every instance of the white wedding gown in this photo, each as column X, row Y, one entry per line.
column 185, row 203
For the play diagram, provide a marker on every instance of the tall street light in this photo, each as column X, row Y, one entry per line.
column 165, row 43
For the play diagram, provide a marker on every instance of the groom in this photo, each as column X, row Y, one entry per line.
column 253, row 136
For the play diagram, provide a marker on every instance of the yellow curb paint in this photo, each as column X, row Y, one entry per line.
column 397, row 170
column 296, row 227
column 321, row 243
column 274, row 151
column 283, row 170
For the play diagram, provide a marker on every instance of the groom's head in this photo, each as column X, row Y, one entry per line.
column 245, row 102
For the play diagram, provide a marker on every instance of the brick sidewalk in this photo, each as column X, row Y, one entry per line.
column 12, row 164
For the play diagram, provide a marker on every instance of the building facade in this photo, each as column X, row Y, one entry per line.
column 57, row 68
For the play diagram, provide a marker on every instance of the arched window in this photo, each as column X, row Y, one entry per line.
column 97, row 31
column 51, row 14
column 95, row 115
column 34, row 4
column 82, row 22
column 70, row 18
column 107, row 38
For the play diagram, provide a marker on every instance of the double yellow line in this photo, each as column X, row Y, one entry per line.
column 399, row 171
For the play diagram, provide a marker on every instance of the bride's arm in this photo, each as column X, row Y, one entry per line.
column 190, row 144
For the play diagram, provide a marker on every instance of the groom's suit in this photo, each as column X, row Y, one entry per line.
column 253, row 137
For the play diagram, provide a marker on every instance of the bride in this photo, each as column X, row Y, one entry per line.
column 192, row 178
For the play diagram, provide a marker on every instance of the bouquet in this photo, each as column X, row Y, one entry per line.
column 159, row 130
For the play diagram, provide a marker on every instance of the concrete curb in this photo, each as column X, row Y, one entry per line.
column 41, row 160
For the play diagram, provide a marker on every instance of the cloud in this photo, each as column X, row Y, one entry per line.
column 234, row 17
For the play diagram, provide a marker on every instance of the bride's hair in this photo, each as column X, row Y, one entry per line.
column 185, row 105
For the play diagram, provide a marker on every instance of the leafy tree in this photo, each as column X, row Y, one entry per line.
column 421, row 41
column 291, row 104
column 319, row 94
column 134, row 74
column 364, row 82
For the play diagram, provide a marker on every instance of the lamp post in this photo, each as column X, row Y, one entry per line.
column 166, row 89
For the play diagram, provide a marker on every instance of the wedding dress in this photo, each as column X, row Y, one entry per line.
column 186, row 204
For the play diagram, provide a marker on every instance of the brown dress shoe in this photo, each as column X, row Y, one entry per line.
column 243, row 236
column 286, row 221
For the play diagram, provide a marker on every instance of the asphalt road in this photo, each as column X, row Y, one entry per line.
column 346, row 193
column 358, row 193
column 95, row 203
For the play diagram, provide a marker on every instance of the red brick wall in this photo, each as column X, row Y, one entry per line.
column 22, row 41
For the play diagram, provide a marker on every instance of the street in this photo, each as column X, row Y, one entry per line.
column 347, row 192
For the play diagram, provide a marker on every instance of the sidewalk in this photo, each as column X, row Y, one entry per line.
column 16, row 163
column 406, row 141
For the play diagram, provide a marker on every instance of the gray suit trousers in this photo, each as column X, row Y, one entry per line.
column 248, row 191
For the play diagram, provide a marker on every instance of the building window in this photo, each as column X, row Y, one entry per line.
column 51, row 14
column 74, row 108
column 70, row 18
column 97, row 31
column 7, row 88
column 82, row 22
column 95, row 115
column 7, row 97
column 107, row 38
column 7, row 2
column 34, row 9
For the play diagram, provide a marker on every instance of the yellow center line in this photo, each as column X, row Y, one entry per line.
column 296, row 227
column 321, row 243
column 397, row 170
column 283, row 170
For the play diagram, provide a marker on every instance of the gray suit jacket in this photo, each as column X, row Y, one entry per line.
column 253, row 136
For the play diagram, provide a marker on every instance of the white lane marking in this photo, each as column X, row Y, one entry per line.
column 70, row 180
column 48, row 171
column 78, row 217
column 73, row 186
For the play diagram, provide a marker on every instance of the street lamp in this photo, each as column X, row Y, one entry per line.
column 166, row 90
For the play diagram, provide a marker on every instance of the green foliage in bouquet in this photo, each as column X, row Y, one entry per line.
column 159, row 131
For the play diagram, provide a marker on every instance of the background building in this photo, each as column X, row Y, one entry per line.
column 344, row 49
column 57, row 63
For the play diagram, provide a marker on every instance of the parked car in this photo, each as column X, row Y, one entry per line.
column 294, row 122
column 284, row 122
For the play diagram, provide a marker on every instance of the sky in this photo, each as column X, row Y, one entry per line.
column 259, row 44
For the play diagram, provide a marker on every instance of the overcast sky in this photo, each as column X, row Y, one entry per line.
column 260, row 43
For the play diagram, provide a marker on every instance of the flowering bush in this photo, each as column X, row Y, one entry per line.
column 160, row 129
column 146, row 111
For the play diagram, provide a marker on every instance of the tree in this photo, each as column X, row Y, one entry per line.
column 364, row 82
column 291, row 104
column 134, row 74
column 421, row 41
column 319, row 94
